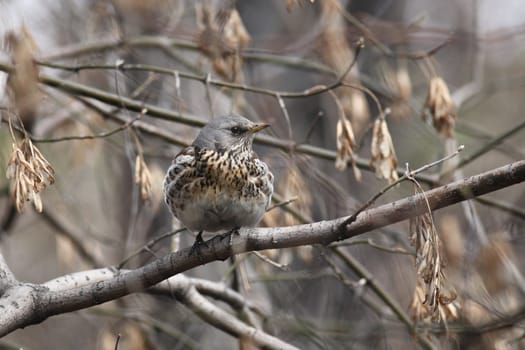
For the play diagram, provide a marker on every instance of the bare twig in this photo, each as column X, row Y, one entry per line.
column 117, row 341
column 485, row 148
column 290, row 209
column 406, row 176
column 270, row 261
column 357, row 287
column 282, row 203
column 372, row 243
column 148, row 246
column 206, row 78
column 78, row 244
column 92, row 137
column 286, row 116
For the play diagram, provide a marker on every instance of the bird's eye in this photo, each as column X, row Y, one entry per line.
column 236, row 130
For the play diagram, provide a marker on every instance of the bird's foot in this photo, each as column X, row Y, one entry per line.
column 199, row 242
column 229, row 234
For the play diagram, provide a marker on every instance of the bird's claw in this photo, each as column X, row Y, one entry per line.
column 229, row 235
column 199, row 242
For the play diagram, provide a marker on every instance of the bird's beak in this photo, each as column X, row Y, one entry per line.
column 258, row 127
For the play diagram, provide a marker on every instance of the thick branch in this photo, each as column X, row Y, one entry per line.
column 45, row 302
column 225, row 321
column 189, row 291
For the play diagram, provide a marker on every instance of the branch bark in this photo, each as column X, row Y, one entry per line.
column 26, row 304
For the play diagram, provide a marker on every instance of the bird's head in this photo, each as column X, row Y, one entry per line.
column 229, row 133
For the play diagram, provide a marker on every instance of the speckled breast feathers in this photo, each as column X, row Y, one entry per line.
column 212, row 190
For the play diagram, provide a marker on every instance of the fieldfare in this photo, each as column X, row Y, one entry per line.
column 218, row 183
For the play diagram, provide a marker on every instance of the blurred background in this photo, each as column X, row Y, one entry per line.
column 439, row 74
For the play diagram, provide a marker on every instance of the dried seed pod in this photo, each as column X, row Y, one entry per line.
column 440, row 107
column 345, row 146
column 143, row 178
column 383, row 157
column 433, row 299
column 30, row 173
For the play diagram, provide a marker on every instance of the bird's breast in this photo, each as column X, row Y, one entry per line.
column 214, row 191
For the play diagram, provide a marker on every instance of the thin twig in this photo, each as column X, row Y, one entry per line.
column 208, row 94
column 264, row 258
column 290, row 209
column 357, row 288
column 313, row 123
column 147, row 246
column 282, row 203
column 123, row 127
column 372, row 243
column 151, row 322
column 286, row 116
column 117, row 341
column 205, row 79
column 406, row 176
column 79, row 244
column 485, row 148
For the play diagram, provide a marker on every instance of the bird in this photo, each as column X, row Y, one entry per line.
column 218, row 183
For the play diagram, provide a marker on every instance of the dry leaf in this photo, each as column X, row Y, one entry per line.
column 440, row 107
column 383, row 157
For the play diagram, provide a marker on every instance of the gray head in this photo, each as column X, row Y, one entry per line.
column 231, row 132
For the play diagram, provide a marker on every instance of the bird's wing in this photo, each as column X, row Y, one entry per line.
column 263, row 179
column 182, row 163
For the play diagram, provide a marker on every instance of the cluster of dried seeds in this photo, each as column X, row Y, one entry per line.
column 433, row 300
column 29, row 173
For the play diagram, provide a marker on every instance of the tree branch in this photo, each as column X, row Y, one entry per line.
column 35, row 303
column 225, row 321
